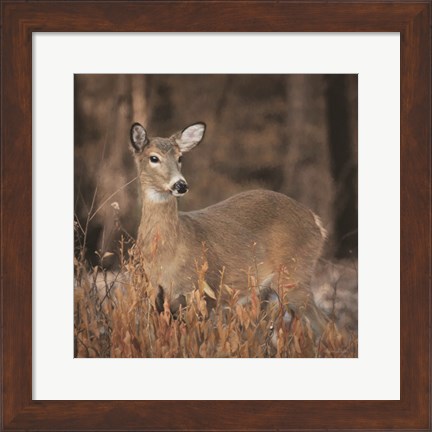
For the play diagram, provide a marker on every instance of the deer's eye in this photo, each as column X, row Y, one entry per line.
column 154, row 159
column 180, row 159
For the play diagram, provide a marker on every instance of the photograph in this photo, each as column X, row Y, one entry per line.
column 215, row 216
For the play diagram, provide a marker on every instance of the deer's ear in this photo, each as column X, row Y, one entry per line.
column 191, row 136
column 138, row 137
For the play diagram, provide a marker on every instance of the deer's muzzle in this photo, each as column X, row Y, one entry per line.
column 179, row 188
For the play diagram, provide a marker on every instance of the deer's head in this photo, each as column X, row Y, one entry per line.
column 159, row 160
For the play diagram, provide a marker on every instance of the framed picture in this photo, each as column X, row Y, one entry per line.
column 79, row 115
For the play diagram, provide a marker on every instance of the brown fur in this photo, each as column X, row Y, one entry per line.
column 261, row 232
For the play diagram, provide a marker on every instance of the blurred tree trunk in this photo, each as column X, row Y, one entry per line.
column 307, row 159
column 105, row 107
column 342, row 116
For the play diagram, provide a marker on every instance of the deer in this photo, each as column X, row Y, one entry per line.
column 257, row 226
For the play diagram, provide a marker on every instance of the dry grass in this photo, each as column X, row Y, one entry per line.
column 116, row 316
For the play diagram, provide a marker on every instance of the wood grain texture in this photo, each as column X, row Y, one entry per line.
column 20, row 19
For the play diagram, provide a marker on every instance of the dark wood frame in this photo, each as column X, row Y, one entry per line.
column 21, row 19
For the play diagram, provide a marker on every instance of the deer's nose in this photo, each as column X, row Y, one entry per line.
column 180, row 187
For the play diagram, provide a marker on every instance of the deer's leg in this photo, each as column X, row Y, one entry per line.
column 174, row 304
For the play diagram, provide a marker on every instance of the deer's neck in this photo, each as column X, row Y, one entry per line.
column 159, row 226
